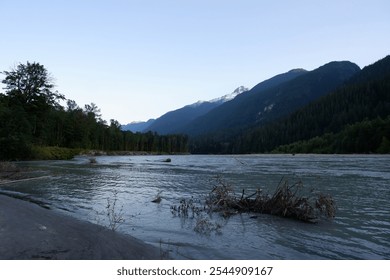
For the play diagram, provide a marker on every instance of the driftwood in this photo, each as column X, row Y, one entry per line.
column 158, row 197
column 287, row 201
column 11, row 173
column 8, row 170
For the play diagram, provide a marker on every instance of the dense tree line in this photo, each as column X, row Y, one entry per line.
column 366, row 97
column 368, row 136
column 31, row 115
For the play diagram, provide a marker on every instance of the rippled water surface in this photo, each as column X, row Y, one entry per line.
column 360, row 186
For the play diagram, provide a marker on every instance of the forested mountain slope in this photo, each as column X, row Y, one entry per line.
column 366, row 96
column 262, row 105
column 177, row 120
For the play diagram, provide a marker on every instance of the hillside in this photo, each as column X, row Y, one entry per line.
column 137, row 126
column 360, row 104
column 272, row 99
column 176, row 121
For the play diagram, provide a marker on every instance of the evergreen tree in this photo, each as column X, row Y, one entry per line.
column 31, row 119
column 30, row 86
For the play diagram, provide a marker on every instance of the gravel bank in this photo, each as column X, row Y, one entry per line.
column 28, row 231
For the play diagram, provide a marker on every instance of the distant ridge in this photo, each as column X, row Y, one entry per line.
column 354, row 118
column 137, row 126
column 176, row 121
column 272, row 99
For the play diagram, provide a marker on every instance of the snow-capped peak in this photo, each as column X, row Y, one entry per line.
column 222, row 99
column 230, row 96
column 197, row 103
column 240, row 90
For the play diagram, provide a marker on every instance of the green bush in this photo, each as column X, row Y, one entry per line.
column 53, row 153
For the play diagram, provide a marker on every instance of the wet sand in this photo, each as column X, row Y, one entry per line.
column 28, row 231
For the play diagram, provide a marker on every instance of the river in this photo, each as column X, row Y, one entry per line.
column 359, row 184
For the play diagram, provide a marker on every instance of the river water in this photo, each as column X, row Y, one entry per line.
column 359, row 184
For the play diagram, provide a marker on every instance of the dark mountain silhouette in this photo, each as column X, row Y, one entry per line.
column 137, row 126
column 177, row 120
column 272, row 99
column 353, row 118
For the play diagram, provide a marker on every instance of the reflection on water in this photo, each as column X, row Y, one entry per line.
column 359, row 185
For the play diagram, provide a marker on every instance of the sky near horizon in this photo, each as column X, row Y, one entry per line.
column 139, row 59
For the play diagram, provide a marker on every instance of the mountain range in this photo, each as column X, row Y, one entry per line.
column 354, row 117
column 267, row 101
column 273, row 99
column 176, row 121
column 294, row 106
column 137, row 126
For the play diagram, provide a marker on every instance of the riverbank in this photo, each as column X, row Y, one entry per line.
column 60, row 153
column 28, row 231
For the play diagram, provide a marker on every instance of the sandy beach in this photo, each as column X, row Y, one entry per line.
column 28, row 231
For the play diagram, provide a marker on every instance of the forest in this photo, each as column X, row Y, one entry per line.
column 368, row 136
column 37, row 122
column 34, row 124
column 352, row 119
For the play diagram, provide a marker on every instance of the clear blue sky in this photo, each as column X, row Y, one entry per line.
column 139, row 59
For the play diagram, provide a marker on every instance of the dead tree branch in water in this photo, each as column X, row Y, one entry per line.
column 287, row 201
